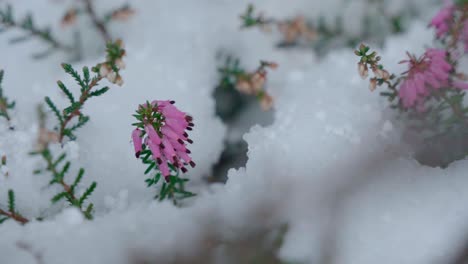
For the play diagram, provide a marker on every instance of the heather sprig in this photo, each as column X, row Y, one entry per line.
column 70, row 119
column 88, row 82
column 5, row 103
column 430, row 84
column 28, row 25
column 451, row 24
column 10, row 212
column 317, row 33
column 159, row 140
column 293, row 30
column 121, row 13
column 381, row 76
column 59, row 168
column 429, row 95
column 232, row 76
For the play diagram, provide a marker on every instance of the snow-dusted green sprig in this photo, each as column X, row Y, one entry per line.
column 88, row 82
column 59, row 168
column 69, row 119
column 5, row 103
column 11, row 212
column 27, row 24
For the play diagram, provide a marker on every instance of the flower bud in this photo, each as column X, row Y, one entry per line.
column 257, row 81
column 112, row 77
column 244, row 86
column 104, row 70
column 119, row 81
column 266, row 102
column 120, row 63
column 363, row 70
column 372, row 84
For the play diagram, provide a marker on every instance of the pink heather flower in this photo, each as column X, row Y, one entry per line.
column 137, row 142
column 430, row 71
column 162, row 129
column 442, row 20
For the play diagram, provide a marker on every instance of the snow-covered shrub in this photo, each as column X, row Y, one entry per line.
column 330, row 177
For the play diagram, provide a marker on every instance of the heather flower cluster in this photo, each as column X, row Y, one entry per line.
column 451, row 24
column 425, row 75
column 162, row 128
column 442, row 20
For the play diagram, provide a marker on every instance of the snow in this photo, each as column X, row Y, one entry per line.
column 332, row 164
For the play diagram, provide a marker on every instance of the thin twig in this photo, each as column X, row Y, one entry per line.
column 14, row 216
column 96, row 21
column 84, row 96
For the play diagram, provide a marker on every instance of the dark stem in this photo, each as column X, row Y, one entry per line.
column 84, row 96
column 66, row 187
column 96, row 21
column 14, row 216
column 40, row 34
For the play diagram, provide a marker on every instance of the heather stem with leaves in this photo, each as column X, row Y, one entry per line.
column 11, row 212
column 100, row 23
column 27, row 24
column 71, row 118
column 249, row 83
column 293, row 30
column 5, row 103
column 431, row 92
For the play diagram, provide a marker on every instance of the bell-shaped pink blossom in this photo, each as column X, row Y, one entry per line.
column 443, row 19
column 164, row 128
column 429, row 73
column 137, row 142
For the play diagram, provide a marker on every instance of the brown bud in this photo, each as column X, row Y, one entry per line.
column 266, row 102
column 372, row 84
column 69, row 18
column 363, row 70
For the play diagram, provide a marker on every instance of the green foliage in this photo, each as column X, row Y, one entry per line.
column 173, row 188
column 27, row 24
column 249, row 19
column 59, row 168
column 86, row 83
column 54, row 109
column 230, row 72
column 12, row 213
column 5, row 103
column 87, row 193
column 11, row 201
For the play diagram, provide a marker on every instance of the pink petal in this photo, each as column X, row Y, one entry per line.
column 137, row 141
